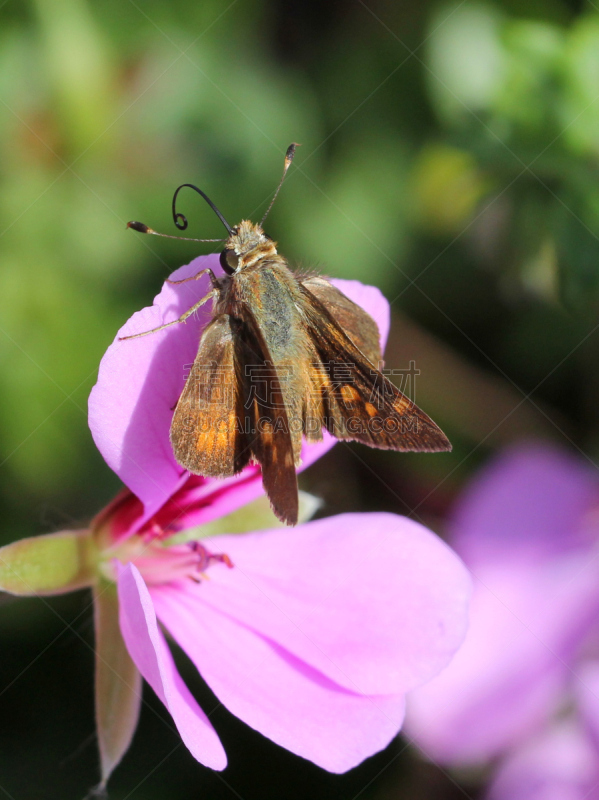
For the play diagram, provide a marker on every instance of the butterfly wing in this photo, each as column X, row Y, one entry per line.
column 350, row 317
column 266, row 419
column 220, row 422
column 356, row 400
column 207, row 432
column 361, row 329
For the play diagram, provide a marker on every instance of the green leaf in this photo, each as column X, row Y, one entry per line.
column 118, row 682
column 578, row 250
column 579, row 111
column 466, row 60
column 447, row 186
column 51, row 564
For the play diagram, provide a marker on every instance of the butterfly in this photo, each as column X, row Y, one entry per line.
column 283, row 358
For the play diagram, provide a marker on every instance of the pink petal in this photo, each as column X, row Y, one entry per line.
column 152, row 657
column 375, row 602
column 139, row 383
column 201, row 500
column 508, row 678
column 586, row 687
column 527, row 504
column 275, row 693
column 140, row 380
column 559, row 764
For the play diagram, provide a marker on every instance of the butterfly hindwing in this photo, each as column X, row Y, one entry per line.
column 358, row 401
column 350, row 317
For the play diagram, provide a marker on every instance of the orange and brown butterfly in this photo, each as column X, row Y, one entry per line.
column 283, row 357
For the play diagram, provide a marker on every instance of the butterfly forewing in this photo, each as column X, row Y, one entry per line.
column 207, row 433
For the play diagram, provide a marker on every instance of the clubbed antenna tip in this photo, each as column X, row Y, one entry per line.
column 289, row 154
column 288, row 159
column 139, row 226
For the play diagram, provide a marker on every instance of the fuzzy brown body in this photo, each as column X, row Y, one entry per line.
column 263, row 375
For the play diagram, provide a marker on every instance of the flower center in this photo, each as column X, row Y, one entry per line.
column 159, row 563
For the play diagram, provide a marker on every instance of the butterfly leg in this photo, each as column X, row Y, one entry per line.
column 195, row 277
column 182, row 318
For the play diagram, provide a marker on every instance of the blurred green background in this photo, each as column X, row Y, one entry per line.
column 450, row 155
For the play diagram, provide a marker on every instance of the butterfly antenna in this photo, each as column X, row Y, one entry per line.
column 180, row 220
column 288, row 159
column 141, row 228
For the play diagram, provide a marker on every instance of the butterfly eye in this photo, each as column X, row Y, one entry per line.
column 229, row 261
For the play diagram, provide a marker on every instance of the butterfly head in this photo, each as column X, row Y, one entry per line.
column 246, row 245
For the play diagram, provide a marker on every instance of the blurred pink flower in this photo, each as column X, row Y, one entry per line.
column 523, row 691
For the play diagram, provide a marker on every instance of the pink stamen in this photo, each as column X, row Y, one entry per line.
column 205, row 558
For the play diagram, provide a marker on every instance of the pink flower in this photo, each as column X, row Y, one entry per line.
column 524, row 688
column 311, row 635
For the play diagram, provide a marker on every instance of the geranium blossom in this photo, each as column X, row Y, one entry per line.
column 311, row 635
column 523, row 690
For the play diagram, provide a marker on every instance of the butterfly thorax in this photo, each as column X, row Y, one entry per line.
column 250, row 244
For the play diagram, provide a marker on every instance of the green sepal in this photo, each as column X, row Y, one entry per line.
column 118, row 682
column 52, row 564
column 255, row 516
